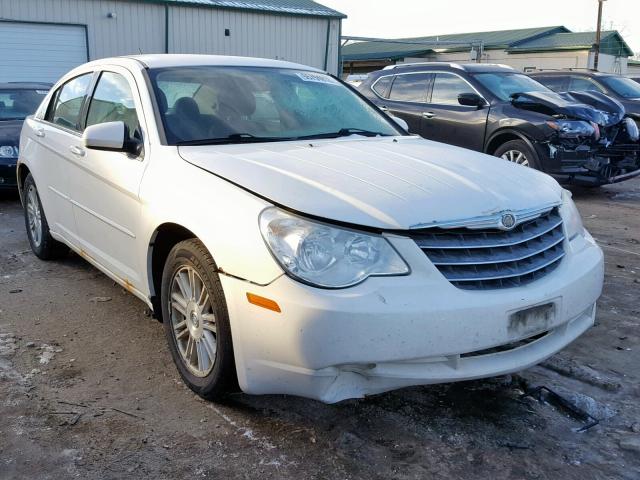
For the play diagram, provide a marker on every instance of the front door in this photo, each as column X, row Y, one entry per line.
column 445, row 120
column 106, row 184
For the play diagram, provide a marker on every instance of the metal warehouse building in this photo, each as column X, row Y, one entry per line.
column 42, row 39
column 527, row 49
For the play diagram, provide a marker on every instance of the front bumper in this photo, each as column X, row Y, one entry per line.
column 591, row 167
column 8, row 175
column 393, row 332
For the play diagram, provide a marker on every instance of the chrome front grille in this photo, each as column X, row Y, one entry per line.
column 492, row 258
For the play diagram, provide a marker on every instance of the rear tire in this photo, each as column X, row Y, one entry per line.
column 518, row 151
column 196, row 321
column 40, row 239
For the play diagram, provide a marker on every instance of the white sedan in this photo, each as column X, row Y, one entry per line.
column 293, row 238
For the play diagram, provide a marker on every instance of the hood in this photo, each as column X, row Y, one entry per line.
column 385, row 182
column 590, row 106
column 10, row 131
column 632, row 107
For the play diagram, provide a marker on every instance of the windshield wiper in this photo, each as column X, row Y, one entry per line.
column 345, row 132
column 233, row 138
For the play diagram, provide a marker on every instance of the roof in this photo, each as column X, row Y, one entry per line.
column 295, row 7
column 164, row 60
column 568, row 71
column 25, row 86
column 497, row 39
column 611, row 42
column 467, row 67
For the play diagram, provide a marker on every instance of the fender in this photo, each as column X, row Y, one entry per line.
column 508, row 131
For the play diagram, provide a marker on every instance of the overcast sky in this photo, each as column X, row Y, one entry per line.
column 413, row 18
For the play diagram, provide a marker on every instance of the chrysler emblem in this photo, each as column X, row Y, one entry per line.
column 508, row 221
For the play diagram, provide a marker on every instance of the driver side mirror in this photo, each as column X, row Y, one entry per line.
column 471, row 100
column 111, row 137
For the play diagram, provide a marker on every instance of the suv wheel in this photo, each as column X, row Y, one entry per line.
column 196, row 321
column 40, row 239
column 517, row 151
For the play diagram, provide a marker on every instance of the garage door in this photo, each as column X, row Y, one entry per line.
column 40, row 52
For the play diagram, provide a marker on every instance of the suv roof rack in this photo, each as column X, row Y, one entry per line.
column 570, row 69
column 458, row 66
column 418, row 64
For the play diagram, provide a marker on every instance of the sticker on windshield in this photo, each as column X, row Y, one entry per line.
column 316, row 77
column 42, row 92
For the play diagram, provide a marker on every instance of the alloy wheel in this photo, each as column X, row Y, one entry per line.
column 34, row 215
column 515, row 156
column 193, row 321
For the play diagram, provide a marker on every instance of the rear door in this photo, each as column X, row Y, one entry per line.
column 57, row 145
column 407, row 97
column 445, row 120
column 106, row 184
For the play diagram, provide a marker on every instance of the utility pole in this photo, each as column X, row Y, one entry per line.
column 598, row 34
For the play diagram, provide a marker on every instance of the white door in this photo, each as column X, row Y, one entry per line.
column 35, row 52
column 57, row 146
column 105, row 184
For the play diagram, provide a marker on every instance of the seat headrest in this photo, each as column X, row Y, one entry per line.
column 186, row 106
column 237, row 97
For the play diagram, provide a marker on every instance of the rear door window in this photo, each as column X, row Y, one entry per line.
column 410, row 87
column 66, row 107
column 581, row 84
column 557, row 83
column 447, row 87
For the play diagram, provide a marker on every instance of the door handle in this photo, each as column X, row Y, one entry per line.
column 384, row 109
column 77, row 151
column 39, row 132
column 428, row 114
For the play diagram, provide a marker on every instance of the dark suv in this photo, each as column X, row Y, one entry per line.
column 17, row 101
column 623, row 89
column 584, row 138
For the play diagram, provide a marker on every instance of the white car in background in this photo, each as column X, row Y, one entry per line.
column 293, row 238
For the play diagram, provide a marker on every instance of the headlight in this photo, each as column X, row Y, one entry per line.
column 8, row 151
column 324, row 255
column 632, row 129
column 572, row 128
column 571, row 216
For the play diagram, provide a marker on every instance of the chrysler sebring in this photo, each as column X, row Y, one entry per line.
column 293, row 238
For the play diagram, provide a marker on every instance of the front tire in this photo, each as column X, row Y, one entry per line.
column 518, row 151
column 40, row 239
column 196, row 321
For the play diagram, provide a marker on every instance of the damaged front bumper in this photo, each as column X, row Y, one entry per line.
column 591, row 166
column 394, row 332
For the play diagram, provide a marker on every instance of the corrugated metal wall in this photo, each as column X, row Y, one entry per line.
column 140, row 27
column 294, row 38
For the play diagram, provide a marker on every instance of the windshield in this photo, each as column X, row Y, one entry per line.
column 504, row 85
column 17, row 104
column 236, row 104
column 625, row 87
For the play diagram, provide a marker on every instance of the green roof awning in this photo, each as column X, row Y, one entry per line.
column 611, row 42
column 455, row 42
column 295, row 7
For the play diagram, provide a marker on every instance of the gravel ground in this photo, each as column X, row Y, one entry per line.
column 88, row 390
